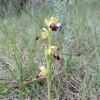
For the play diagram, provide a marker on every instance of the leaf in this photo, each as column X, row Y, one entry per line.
column 3, row 92
column 3, row 89
column 2, row 85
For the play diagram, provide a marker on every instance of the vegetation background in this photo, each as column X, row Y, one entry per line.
column 76, row 76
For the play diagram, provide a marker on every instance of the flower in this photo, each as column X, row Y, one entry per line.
column 43, row 71
column 52, row 49
column 52, row 23
column 45, row 33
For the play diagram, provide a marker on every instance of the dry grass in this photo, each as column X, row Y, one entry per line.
column 75, row 76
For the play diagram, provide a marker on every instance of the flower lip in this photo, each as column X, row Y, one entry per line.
column 38, row 37
column 53, row 27
column 56, row 56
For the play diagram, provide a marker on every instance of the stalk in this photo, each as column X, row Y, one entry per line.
column 49, row 41
column 49, row 51
column 48, row 68
column 48, row 77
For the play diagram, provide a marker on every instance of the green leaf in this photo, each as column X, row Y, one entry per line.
column 3, row 92
column 2, row 85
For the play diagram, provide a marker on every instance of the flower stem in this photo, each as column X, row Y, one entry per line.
column 48, row 68
column 49, row 77
column 48, row 73
column 49, row 41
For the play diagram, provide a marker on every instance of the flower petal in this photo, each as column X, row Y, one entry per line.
column 47, row 22
column 43, row 70
column 53, row 20
column 44, row 29
column 49, row 51
column 53, row 48
column 45, row 34
column 58, row 24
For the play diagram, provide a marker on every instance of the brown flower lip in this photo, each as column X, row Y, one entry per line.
column 53, row 27
column 38, row 37
column 56, row 56
column 38, row 76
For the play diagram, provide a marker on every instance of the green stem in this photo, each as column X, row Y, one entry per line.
column 49, row 41
column 48, row 67
column 49, row 77
column 49, row 73
column 49, row 61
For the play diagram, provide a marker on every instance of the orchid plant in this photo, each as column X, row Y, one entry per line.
column 52, row 25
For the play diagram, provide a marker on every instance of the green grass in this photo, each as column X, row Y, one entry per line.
column 76, row 76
